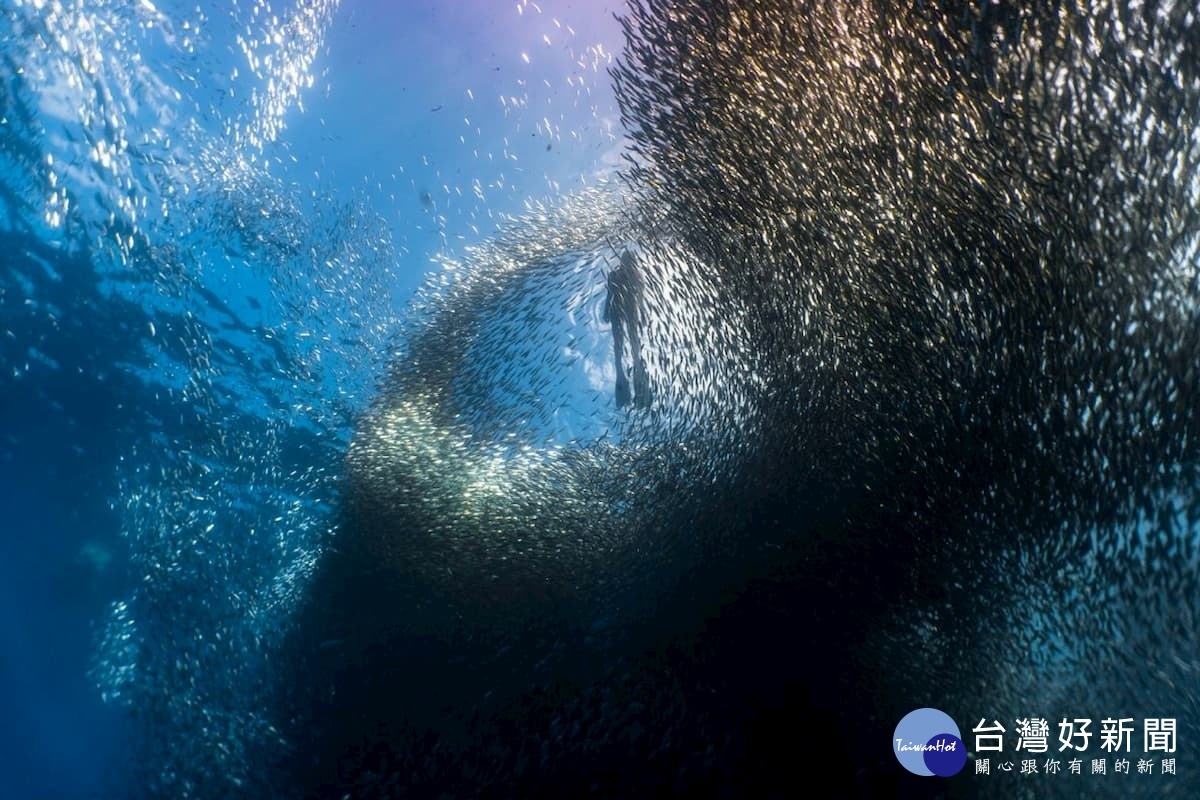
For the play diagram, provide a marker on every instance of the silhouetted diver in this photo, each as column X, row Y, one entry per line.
column 622, row 308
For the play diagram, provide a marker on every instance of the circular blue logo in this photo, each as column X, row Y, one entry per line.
column 927, row 742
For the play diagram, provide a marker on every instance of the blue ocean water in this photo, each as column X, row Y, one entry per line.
column 215, row 219
column 212, row 217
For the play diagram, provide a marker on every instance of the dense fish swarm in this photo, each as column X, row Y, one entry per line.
column 920, row 319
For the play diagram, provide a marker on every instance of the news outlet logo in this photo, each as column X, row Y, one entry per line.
column 927, row 742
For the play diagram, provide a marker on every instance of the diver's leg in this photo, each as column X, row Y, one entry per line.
column 641, row 380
